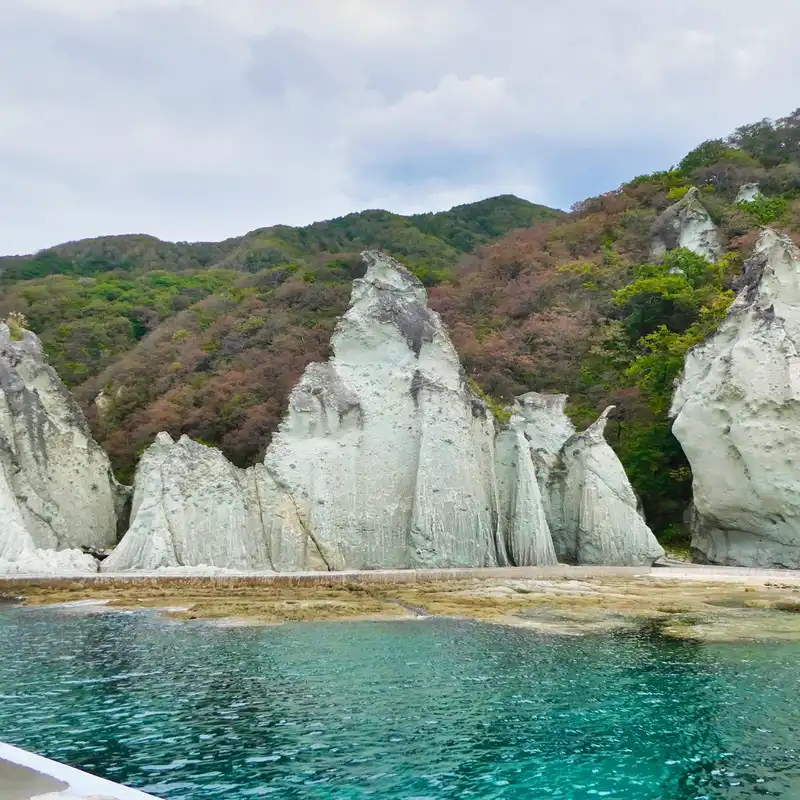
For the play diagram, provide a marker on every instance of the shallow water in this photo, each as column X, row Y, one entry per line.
column 420, row 710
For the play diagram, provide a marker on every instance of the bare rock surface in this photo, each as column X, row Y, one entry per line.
column 600, row 522
column 386, row 452
column 687, row 224
column 737, row 417
column 58, row 491
column 748, row 192
column 385, row 459
column 191, row 506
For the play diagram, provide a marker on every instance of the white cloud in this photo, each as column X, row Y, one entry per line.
column 199, row 119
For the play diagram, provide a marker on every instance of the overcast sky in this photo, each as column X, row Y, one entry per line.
column 202, row 119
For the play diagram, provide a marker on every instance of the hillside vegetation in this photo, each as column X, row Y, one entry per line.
column 208, row 338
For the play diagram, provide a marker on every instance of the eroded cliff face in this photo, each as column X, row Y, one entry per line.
column 687, row 224
column 589, row 504
column 599, row 522
column 385, row 451
column 55, row 475
column 19, row 554
column 737, row 417
column 387, row 459
column 748, row 192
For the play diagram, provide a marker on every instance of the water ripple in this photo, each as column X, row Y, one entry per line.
column 399, row 710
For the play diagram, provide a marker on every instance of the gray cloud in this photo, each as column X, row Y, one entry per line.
column 200, row 119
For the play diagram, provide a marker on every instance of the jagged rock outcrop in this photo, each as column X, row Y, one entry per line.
column 19, row 554
column 191, row 507
column 589, row 504
column 385, row 451
column 748, row 192
column 686, row 224
column 737, row 417
column 597, row 509
column 58, row 477
column 387, row 459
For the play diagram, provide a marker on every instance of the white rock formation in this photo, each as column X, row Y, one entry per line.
column 748, row 192
column 19, row 554
column 191, row 506
column 598, row 515
column 385, row 459
column 590, row 506
column 386, row 453
column 60, row 478
column 737, row 417
column 686, row 224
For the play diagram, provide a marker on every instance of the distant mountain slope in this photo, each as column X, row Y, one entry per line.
column 427, row 242
column 94, row 299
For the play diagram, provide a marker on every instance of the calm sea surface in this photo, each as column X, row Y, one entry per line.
column 421, row 710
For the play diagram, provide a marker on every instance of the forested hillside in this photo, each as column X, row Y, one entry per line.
column 576, row 306
column 208, row 338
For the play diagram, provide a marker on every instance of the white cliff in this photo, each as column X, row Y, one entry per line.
column 58, row 477
column 598, row 515
column 748, row 192
column 19, row 554
column 191, row 507
column 385, row 459
column 386, row 452
column 589, row 504
column 686, row 224
column 737, row 417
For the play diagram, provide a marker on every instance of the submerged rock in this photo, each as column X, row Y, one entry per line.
column 748, row 192
column 58, row 477
column 737, row 417
column 687, row 224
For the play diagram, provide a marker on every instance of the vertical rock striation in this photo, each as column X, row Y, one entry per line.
column 386, row 452
column 736, row 414
column 598, row 519
column 589, row 504
column 58, row 478
column 387, row 459
column 686, row 224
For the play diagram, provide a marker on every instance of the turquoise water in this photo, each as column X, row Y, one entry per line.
column 420, row 710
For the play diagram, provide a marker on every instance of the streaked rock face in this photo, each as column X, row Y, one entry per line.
column 748, row 192
column 687, row 224
column 19, row 554
column 386, row 452
column 737, row 417
column 589, row 504
column 385, row 459
column 59, row 479
column 599, row 520
column 191, row 507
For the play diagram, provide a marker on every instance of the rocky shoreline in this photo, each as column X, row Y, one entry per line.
column 693, row 603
